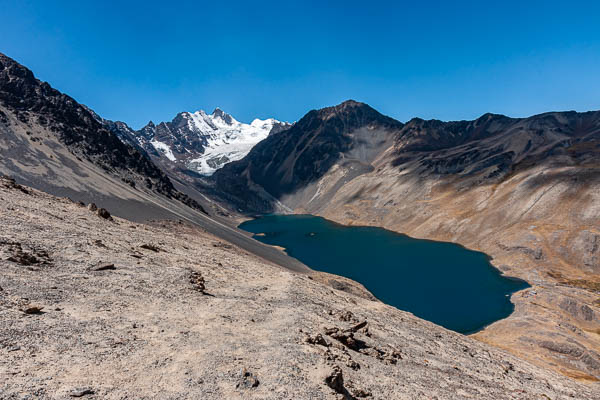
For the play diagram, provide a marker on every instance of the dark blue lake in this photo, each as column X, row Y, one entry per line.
column 437, row 281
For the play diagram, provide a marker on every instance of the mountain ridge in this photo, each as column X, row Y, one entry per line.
column 58, row 117
column 199, row 141
column 292, row 166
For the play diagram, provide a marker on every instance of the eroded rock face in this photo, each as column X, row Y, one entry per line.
column 263, row 333
column 574, row 352
column 588, row 244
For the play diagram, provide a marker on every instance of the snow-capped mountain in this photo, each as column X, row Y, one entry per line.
column 203, row 142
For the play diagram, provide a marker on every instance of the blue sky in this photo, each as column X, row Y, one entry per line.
column 147, row 60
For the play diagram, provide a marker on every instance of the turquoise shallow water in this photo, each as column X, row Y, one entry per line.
column 437, row 281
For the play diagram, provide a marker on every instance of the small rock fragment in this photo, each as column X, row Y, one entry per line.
column 80, row 392
column 346, row 338
column 92, row 207
column 105, row 267
column 99, row 243
column 247, row 380
column 103, row 213
column 23, row 259
column 352, row 364
column 392, row 357
column 335, row 380
column 347, row 316
column 361, row 393
column 316, row 339
column 222, row 245
column 357, row 327
column 198, row 281
column 32, row 310
column 150, row 247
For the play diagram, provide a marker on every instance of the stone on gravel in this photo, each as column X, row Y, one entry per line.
column 317, row 339
column 150, row 247
column 198, row 281
column 247, row 380
column 103, row 213
column 32, row 310
column 80, row 392
column 105, row 267
column 335, row 380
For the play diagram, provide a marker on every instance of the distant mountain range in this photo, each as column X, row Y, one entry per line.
column 196, row 141
column 352, row 137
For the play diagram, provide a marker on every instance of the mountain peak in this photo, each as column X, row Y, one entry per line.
column 350, row 114
column 351, row 103
column 348, row 107
column 218, row 113
column 204, row 142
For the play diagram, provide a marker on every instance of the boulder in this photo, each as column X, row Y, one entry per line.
column 103, row 213
column 335, row 380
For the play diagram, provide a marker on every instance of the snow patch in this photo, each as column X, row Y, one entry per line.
column 164, row 149
column 222, row 139
column 228, row 139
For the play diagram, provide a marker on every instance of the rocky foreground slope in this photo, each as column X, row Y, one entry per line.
column 98, row 308
column 526, row 191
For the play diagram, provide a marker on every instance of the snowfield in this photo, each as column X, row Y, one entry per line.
column 225, row 139
column 164, row 149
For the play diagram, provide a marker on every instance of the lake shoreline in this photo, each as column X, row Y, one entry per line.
column 491, row 273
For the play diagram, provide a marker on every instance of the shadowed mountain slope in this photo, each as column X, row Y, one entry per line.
column 351, row 133
column 487, row 149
